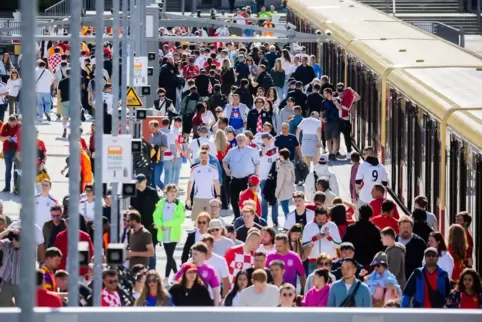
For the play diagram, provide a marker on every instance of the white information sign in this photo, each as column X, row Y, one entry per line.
column 117, row 158
column 140, row 72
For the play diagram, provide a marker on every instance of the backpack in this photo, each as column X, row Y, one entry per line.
column 315, row 176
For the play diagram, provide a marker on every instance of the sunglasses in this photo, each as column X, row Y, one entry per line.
column 378, row 265
column 89, row 190
column 287, row 294
column 219, row 111
column 56, row 216
column 203, row 223
column 324, row 264
column 153, row 281
column 215, row 229
column 112, row 282
column 162, row 96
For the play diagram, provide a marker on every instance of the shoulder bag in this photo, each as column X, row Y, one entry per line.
column 349, row 301
column 436, row 299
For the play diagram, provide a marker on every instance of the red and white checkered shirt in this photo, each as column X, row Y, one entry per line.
column 110, row 299
column 54, row 60
column 238, row 260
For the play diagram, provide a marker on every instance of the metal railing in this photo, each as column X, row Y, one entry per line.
column 62, row 8
column 442, row 30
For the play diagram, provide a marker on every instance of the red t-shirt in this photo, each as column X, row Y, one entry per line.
column 9, row 131
column 459, row 265
column 221, row 154
column 238, row 260
column 83, row 144
column 61, row 242
column 197, row 119
column 377, row 208
column 432, row 280
column 383, row 221
column 470, row 244
column 249, row 195
column 190, row 71
column 469, row 302
column 48, row 299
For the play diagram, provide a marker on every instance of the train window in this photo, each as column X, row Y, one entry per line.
column 453, row 169
column 419, row 149
column 463, row 176
column 402, row 146
column 436, row 168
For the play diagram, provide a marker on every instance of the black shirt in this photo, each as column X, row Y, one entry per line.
column 145, row 202
column 242, row 232
column 289, row 142
column 198, row 295
column 301, row 219
column 64, row 90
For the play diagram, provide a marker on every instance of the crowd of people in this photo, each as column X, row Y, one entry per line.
column 260, row 127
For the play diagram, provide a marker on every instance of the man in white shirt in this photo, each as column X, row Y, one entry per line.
column 268, row 154
column 320, row 236
column 43, row 201
column 204, row 179
column 87, row 204
column 44, row 80
column 321, row 171
column 195, row 145
column 311, row 141
column 39, row 238
column 218, row 263
column 369, row 173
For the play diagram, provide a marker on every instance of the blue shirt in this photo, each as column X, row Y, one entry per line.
column 289, row 142
column 236, row 121
column 150, row 300
column 331, row 113
column 242, row 161
column 233, row 143
column 243, row 70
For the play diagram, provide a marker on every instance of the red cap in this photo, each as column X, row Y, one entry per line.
column 186, row 267
column 254, row 180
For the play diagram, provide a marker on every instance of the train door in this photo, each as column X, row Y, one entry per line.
column 476, row 213
column 428, row 159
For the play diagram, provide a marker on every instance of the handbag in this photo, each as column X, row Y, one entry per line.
column 349, row 301
column 436, row 299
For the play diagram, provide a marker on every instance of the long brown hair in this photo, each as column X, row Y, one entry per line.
column 8, row 63
column 162, row 297
column 457, row 241
column 197, row 281
column 296, row 228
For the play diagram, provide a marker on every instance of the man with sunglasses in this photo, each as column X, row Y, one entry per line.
column 43, row 203
column 163, row 106
column 110, row 296
column 54, row 226
column 323, row 261
column 257, row 117
column 216, row 228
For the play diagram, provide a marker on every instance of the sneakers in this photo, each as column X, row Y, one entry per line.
column 48, row 117
column 64, row 134
column 166, row 282
column 348, row 155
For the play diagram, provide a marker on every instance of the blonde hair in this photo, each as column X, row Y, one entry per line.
column 226, row 64
column 220, row 141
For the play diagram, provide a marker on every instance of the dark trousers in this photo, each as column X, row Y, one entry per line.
column 171, row 262
column 231, row 5
column 346, row 130
column 236, row 187
column 3, row 109
column 224, row 191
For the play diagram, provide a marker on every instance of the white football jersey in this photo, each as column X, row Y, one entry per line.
column 370, row 175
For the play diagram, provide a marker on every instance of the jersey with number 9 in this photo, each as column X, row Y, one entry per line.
column 370, row 174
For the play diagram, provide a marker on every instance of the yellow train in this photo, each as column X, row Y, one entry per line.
column 409, row 81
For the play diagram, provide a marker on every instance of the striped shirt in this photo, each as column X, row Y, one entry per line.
column 10, row 270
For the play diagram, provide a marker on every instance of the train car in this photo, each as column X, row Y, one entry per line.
column 409, row 81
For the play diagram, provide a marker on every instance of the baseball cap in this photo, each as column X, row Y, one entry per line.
column 431, row 250
column 229, row 128
column 203, row 129
column 254, row 180
column 186, row 267
column 293, row 82
column 323, row 159
column 140, row 177
column 266, row 136
column 347, row 245
column 215, row 223
column 380, row 258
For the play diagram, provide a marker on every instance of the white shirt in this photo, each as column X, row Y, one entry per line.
column 176, row 133
column 3, row 90
column 266, row 160
column 108, row 99
column 291, row 218
column 325, row 245
column 322, row 171
column 370, row 175
column 200, row 61
column 170, row 141
column 86, row 209
column 39, row 236
column 195, row 145
column 208, row 118
column 43, row 84
column 14, row 86
column 220, row 266
column 42, row 208
column 265, row 250
column 203, row 177
column 310, row 125
column 240, row 20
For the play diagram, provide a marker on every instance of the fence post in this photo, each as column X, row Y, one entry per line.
column 461, row 37
column 478, row 17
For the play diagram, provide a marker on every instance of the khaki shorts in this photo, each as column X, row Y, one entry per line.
column 64, row 109
column 199, row 205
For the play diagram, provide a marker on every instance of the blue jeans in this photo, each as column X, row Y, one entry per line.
column 156, row 175
column 153, row 259
column 285, row 205
column 264, row 207
column 176, row 171
column 168, row 172
column 44, row 103
column 8, row 158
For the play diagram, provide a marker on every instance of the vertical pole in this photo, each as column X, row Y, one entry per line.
column 29, row 152
column 134, row 49
column 394, row 10
column 183, row 7
column 478, row 17
column 99, row 117
column 125, row 28
column 74, row 158
column 193, row 8
column 114, row 225
column 164, row 7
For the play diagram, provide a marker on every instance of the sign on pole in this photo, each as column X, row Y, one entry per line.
column 117, row 158
column 140, row 72
column 133, row 100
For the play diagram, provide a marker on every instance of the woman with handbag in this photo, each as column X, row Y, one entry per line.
column 348, row 292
